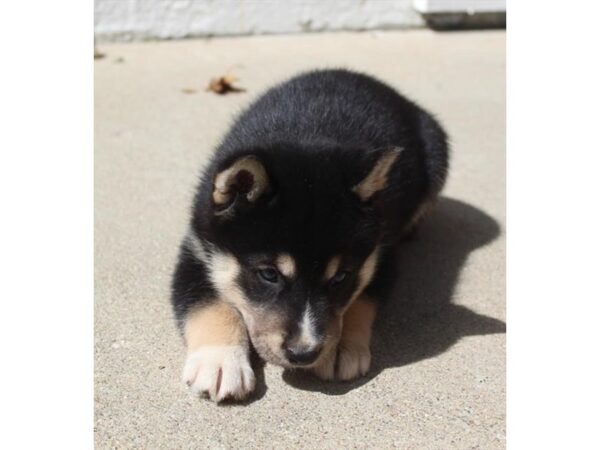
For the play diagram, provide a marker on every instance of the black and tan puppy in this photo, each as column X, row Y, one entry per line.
column 289, row 246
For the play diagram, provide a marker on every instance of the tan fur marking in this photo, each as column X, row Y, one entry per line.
column 376, row 180
column 196, row 246
column 223, row 181
column 420, row 213
column 286, row 265
column 218, row 324
column 224, row 269
column 358, row 320
column 267, row 332
column 332, row 267
column 365, row 274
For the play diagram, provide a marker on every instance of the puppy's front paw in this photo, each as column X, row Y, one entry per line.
column 220, row 372
column 353, row 360
column 325, row 368
column 348, row 361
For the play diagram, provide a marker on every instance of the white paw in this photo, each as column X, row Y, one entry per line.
column 353, row 360
column 220, row 372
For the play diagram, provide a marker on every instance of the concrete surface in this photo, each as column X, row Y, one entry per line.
column 438, row 380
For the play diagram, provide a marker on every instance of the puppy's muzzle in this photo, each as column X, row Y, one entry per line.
column 302, row 355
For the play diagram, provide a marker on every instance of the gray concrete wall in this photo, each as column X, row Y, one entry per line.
column 122, row 20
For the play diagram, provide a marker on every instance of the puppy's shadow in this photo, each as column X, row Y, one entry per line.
column 419, row 321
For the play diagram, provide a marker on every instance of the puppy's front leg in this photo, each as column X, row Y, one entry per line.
column 218, row 363
column 354, row 349
column 352, row 356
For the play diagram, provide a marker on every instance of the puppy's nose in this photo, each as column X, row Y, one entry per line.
column 302, row 355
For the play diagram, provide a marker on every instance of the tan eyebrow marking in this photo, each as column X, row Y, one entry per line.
column 286, row 265
column 332, row 267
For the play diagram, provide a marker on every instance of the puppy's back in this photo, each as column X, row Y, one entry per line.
column 347, row 107
column 356, row 116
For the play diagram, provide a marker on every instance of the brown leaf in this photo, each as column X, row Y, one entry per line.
column 98, row 54
column 188, row 91
column 223, row 85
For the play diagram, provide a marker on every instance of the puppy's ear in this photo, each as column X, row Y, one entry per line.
column 245, row 180
column 377, row 178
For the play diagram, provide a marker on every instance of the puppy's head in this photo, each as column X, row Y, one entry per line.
column 294, row 240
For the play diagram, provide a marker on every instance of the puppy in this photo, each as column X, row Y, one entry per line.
column 289, row 248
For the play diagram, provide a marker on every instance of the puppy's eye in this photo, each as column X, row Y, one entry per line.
column 269, row 274
column 339, row 278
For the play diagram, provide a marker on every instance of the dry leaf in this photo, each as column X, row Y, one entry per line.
column 188, row 91
column 119, row 60
column 223, row 85
column 98, row 54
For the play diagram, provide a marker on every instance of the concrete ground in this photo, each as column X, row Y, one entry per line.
column 438, row 377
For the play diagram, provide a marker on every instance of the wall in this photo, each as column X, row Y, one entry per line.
column 168, row 19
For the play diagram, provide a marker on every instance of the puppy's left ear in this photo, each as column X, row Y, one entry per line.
column 246, row 180
column 377, row 178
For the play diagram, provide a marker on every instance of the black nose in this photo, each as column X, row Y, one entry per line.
column 302, row 356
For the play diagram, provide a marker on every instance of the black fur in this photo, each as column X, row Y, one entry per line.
column 318, row 135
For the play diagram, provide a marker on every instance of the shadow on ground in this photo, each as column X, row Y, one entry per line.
column 420, row 321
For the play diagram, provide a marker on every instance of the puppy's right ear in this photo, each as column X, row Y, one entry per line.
column 244, row 181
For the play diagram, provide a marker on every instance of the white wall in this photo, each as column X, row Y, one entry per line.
column 163, row 19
